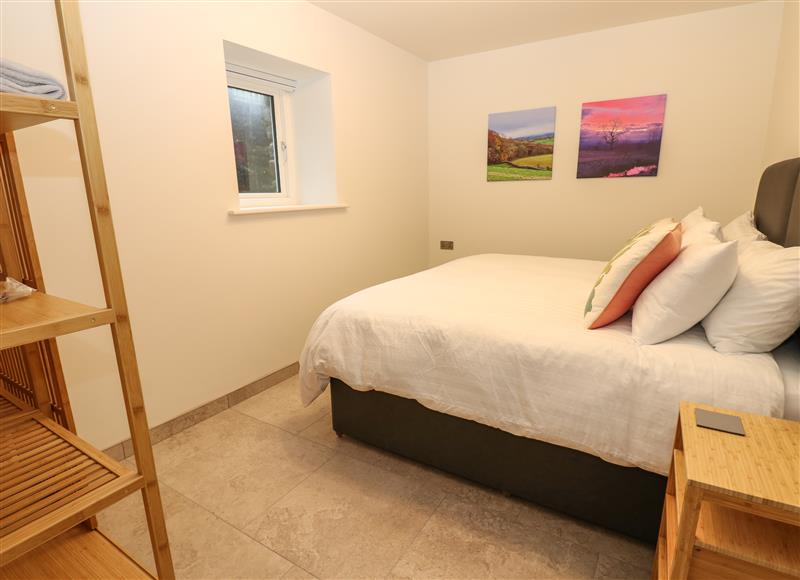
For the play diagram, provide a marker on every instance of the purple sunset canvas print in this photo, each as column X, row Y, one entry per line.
column 622, row 137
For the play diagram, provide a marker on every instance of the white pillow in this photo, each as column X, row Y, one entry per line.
column 693, row 218
column 685, row 292
column 762, row 308
column 699, row 229
column 743, row 228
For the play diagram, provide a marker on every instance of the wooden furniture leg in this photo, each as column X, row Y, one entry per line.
column 687, row 529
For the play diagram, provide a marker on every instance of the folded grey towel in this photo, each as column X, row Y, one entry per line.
column 17, row 78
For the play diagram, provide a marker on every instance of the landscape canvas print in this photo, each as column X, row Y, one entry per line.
column 621, row 138
column 521, row 145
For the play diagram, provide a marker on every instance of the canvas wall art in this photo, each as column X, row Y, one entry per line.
column 521, row 145
column 621, row 138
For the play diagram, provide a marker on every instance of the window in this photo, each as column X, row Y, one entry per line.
column 258, row 118
column 283, row 139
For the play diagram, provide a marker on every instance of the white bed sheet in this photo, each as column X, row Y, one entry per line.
column 499, row 339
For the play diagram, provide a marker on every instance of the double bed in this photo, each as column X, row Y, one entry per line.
column 482, row 367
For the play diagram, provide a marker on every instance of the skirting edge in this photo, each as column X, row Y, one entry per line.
column 158, row 433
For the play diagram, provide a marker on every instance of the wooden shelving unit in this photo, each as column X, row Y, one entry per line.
column 51, row 480
column 732, row 508
column 78, row 553
column 20, row 111
column 42, row 316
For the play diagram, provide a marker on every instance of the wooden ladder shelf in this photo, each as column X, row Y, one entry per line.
column 51, row 480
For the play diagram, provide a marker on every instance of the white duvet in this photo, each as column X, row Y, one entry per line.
column 499, row 339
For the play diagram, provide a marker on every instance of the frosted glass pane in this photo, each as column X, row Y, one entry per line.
column 253, row 118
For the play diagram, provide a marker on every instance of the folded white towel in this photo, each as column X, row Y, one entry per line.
column 17, row 78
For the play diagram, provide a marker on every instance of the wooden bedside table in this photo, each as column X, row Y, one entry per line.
column 732, row 508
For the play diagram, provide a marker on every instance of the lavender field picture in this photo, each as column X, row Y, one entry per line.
column 621, row 138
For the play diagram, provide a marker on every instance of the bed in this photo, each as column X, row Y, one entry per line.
column 482, row 367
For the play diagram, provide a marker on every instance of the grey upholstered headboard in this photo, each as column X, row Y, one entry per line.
column 777, row 208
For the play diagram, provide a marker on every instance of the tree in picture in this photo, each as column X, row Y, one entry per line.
column 621, row 138
column 521, row 145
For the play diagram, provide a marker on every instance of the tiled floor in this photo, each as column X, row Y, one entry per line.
column 267, row 490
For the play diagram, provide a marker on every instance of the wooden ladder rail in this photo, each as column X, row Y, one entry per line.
column 70, row 30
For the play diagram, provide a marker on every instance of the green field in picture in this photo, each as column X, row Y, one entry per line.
column 525, row 168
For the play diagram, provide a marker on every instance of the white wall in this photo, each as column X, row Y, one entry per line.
column 717, row 68
column 783, row 138
column 216, row 301
column 219, row 301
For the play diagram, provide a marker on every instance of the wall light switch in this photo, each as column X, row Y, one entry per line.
column 446, row 245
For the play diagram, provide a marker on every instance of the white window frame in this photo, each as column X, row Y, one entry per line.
column 280, row 90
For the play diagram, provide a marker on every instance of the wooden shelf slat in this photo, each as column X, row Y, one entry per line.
column 20, row 111
column 7, row 408
column 41, row 316
column 708, row 565
column 77, row 553
column 746, row 536
column 51, row 481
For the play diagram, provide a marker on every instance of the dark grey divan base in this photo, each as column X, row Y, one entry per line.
column 624, row 499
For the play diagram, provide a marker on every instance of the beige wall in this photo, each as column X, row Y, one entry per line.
column 783, row 137
column 717, row 68
column 216, row 301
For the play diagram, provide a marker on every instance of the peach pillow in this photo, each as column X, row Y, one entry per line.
column 629, row 272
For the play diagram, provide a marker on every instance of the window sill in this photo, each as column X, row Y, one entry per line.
column 285, row 208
